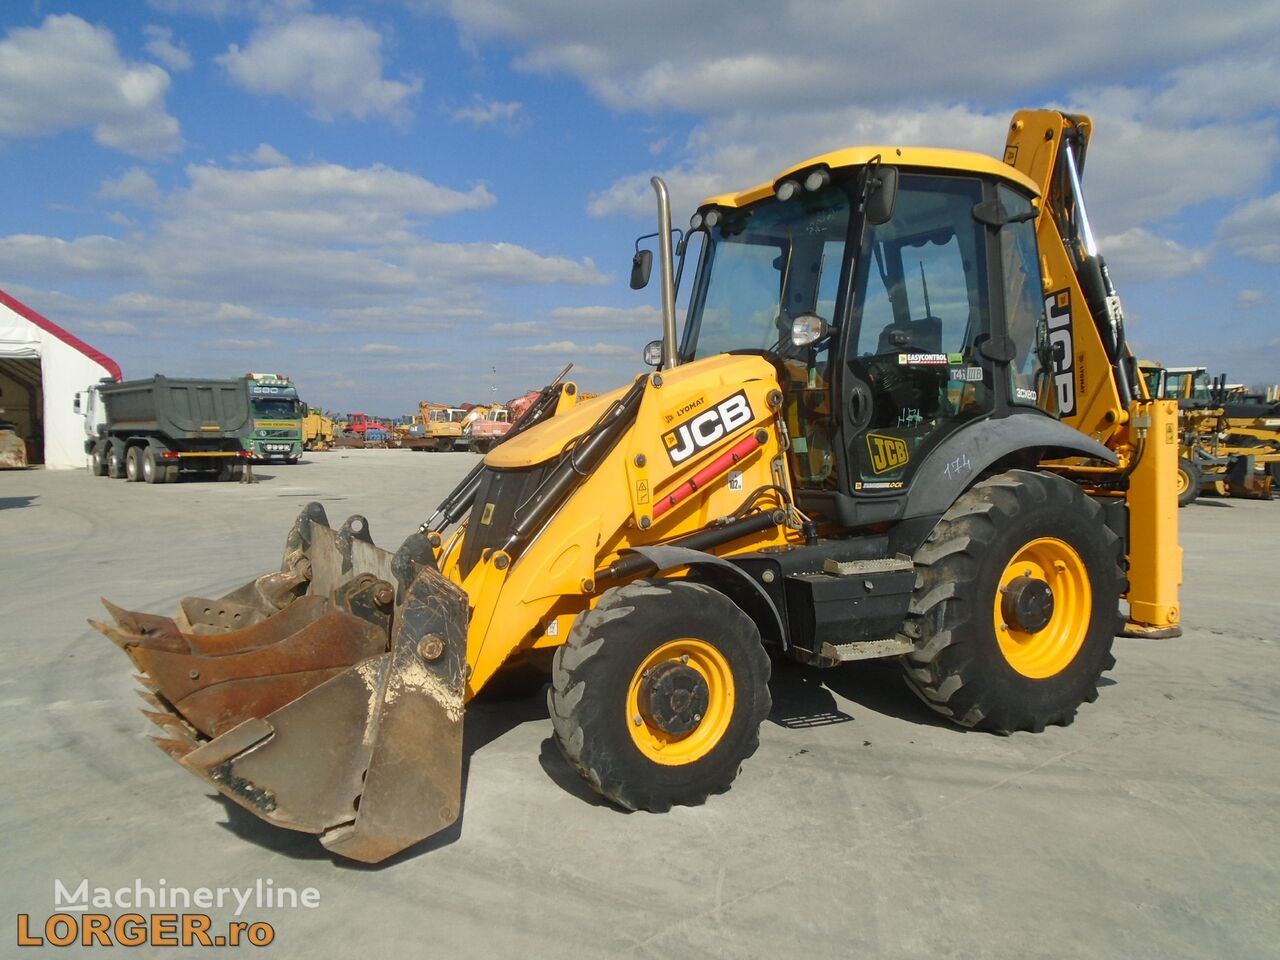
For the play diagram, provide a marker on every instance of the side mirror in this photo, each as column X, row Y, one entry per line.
column 76, row 404
column 641, row 265
column 882, row 194
column 653, row 352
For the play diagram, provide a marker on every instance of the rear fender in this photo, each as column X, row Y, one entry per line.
column 960, row 460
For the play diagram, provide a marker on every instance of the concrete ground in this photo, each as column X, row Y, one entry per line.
column 864, row 826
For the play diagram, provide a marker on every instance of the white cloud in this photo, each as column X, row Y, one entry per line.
column 234, row 343
column 1253, row 231
column 1138, row 254
column 67, row 74
column 268, row 156
column 333, row 64
column 30, row 257
column 382, row 349
column 117, row 327
column 570, row 348
column 135, row 185
column 516, row 328
column 161, row 46
column 1249, row 298
column 482, row 112
column 717, row 56
column 607, row 318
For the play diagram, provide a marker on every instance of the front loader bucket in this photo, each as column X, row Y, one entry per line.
column 327, row 697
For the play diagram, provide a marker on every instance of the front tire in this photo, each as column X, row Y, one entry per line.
column 1188, row 481
column 1016, row 605
column 97, row 464
column 658, row 694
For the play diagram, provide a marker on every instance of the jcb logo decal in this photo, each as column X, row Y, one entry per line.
column 887, row 453
column 1057, row 307
column 706, row 428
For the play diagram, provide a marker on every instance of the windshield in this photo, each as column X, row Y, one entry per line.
column 764, row 265
column 277, row 408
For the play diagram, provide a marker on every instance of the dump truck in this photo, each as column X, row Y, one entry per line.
column 828, row 465
column 159, row 428
column 277, row 428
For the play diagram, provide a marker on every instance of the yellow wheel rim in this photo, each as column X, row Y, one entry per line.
column 1184, row 481
column 677, row 750
column 1051, row 649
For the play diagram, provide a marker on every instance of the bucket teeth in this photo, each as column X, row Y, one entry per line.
column 150, row 699
column 172, row 725
column 146, row 682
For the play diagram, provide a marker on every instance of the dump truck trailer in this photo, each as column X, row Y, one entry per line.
column 156, row 429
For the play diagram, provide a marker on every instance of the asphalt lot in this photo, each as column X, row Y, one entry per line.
column 865, row 826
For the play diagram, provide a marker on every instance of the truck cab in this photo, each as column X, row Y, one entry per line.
column 276, row 430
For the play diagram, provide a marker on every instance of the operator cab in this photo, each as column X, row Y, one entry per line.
column 899, row 305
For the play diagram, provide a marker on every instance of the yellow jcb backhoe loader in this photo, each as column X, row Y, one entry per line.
column 896, row 425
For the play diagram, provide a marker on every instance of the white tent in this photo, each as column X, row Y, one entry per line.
column 42, row 368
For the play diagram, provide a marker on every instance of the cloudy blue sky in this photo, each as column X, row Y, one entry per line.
column 400, row 199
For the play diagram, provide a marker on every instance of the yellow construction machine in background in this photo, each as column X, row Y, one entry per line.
column 901, row 421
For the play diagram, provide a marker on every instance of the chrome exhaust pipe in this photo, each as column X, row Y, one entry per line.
column 670, row 357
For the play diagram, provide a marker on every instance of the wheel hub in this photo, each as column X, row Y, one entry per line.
column 673, row 697
column 1027, row 604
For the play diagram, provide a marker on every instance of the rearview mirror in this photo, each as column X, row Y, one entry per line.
column 882, row 194
column 641, row 265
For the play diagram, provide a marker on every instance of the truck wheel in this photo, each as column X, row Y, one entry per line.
column 133, row 464
column 658, row 693
column 97, row 464
column 171, row 473
column 1016, row 605
column 444, row 446
column 115, row 461
column 1188, row 481
column 152, row 472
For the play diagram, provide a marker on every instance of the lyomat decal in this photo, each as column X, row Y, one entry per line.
column 1057, row 308
column 701, row 431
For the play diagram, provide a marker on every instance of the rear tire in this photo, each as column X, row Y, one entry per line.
column 1015, row 531
column 115, row 461
column 1188, row 481
column 686, row 657
column 133, row 464
column 151, row 471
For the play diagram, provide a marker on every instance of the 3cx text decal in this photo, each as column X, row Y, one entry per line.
column 699, row 432
column 887, row 453
column 1057, row 307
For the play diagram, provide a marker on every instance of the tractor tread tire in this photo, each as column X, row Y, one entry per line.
column 957, row 668
column 596, row 662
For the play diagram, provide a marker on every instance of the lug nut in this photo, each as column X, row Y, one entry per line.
column 384, row 596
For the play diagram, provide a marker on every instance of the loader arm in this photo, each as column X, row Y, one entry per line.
column 1094, row 384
